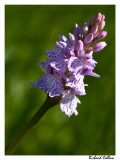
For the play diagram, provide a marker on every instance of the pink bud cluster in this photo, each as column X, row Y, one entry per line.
column 91, row 33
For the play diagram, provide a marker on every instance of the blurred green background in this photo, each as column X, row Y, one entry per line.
column 29, row 31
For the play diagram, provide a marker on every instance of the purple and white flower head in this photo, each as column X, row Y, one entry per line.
column 70, row 61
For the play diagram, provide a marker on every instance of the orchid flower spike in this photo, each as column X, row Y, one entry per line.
column 70, row 62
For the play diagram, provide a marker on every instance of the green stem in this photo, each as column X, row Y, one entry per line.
column 49, row 103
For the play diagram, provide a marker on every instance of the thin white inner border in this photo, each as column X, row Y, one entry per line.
column 2, row 72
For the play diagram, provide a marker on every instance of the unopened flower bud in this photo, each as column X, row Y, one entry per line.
column 99, row 46
column 101, row 25
column 77, row 30
column 103, row 18
column 72, row 38
column 88, row 38
column 91, row 21
column 101, row 35
column 98, row 18
column 85, row 28
column 94, row 29
column 79, row 45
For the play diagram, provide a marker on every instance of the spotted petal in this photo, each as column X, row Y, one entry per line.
column 75, row 64
column 69, row 104
column 77, row 84
column 50, row 84
column 56, row 53
column 60, row 65
column 87, row 70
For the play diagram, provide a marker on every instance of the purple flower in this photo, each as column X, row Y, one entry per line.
column 50, row 84
column 69, row 104
column 70, row 61
column 56, row 53
column 75, row 64
column 77, row 85
column 60, row 64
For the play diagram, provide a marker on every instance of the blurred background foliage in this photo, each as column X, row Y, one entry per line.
column 29, row 31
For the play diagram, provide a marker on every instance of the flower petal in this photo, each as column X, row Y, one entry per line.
column 87, row 70
column 60, row 64
column 64, row 39
column 50, row 84
column 56, row 53
column 77, row 84
column 74, row 64
column 69, row 104
column 43, row 66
